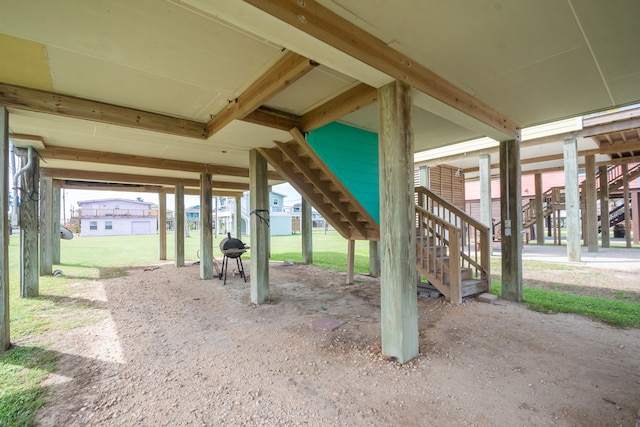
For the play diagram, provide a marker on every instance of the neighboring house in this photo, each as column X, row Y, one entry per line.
column 279, row 220
column 117, row 217
column 296, row 212
column 276, row 201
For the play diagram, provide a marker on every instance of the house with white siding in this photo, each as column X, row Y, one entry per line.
column 117, row 217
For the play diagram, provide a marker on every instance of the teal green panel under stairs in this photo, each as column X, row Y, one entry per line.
column 352, row 155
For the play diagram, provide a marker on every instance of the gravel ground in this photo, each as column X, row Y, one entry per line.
column 175, row 350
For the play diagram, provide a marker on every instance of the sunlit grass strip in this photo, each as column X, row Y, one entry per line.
column 613, row 312
column 22, row 370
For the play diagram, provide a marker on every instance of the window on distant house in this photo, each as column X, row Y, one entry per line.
column 275, row 202
column 93, row 225
column 108, row 225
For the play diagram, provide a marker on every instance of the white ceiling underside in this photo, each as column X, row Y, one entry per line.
column 532, row 61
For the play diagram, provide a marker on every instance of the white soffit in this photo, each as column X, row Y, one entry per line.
column 262, row 25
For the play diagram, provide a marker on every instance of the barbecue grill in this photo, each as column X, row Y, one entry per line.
column 232, row 248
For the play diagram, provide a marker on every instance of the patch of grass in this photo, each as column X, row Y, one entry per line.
column 627, row 296
column 613, row 312
column 329, row 251
column 24, row 367
column 22, row 370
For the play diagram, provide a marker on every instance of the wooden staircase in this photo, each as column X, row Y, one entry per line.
column 615, row 177
column 453, row 250
column 309, row 175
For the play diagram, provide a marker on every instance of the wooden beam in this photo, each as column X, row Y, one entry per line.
column 64, row 105
column 609, row 128
column 352, row 100
column 285, row 72
column 113, row 187
column 347, row 102
column 619, row 161
column 272, row 118
column 136, row 179
column 323, row 24
column 613, row 149
column 90, row 156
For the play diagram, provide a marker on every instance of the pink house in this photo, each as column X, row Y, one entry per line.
column 117, row 217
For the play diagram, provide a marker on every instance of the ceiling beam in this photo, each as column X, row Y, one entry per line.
column 72, row 154
column 286, row 71
column 613, row 149
column 323, row 24
column 63, row 105
column 272, row 118
column 125, row 178
column 349, row 101
column 98, row 186
column 615, row 127
column 101, row 186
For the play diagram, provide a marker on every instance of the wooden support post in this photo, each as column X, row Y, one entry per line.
column 635, row 225
column 511, row 224
column 627, row 211
column 162, row 226
column 179, row 225
column 5, row 335
column 306, row 226
column 206, row 238
column 485, row 189
column 604, row 207
column 215, row 216
column 29, row 194
column 398, row 288
column 238, row 200
column 259, row 208
column 374, row 258
column 424, row 176
column 572, row 198
column 55, row 227
column 46, row 226
column 539, row 210
column 591, row 207
column 351, row 255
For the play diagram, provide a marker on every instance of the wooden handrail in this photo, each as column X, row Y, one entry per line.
column 448, row 239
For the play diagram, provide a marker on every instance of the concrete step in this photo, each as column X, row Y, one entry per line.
column 473, row 287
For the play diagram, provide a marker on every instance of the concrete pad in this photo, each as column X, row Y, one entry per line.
column 327, row 324
column 488, row 298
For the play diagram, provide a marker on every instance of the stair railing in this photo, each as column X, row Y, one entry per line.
column 440, row 223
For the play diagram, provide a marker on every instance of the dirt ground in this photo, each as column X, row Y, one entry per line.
column 174, row 350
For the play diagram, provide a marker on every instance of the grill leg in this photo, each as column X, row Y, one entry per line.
column 225, row 267
column 241, row 269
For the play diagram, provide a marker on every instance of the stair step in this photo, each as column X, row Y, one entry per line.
column 437, row 250
column 473, row 286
